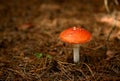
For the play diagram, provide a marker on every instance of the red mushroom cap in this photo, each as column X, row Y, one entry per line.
column 75, row 35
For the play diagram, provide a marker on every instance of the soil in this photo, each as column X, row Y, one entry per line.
column 30, row 48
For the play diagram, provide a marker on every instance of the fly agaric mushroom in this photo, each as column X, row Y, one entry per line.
column 75, row 36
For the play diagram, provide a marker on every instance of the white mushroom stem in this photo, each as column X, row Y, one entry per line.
column 76, row 53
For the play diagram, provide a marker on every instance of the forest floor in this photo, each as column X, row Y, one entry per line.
column 30, row 48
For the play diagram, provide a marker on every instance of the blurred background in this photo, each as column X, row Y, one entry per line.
column 30, row 48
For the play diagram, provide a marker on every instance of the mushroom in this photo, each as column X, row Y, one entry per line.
column 75, row 36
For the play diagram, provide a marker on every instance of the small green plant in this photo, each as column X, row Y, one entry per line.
column 48, row 56
column 40, row 55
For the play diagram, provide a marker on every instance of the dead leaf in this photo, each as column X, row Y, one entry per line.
column 110, row 54
column 25, row 26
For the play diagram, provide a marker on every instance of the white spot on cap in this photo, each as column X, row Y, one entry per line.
column 74, row 28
